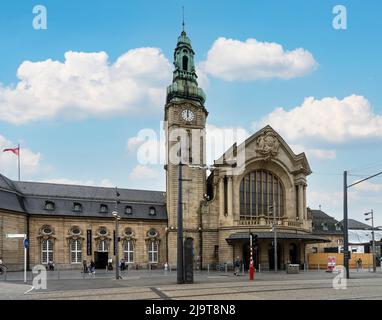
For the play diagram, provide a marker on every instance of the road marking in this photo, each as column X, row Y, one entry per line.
column 29, row 290
column 160, row 293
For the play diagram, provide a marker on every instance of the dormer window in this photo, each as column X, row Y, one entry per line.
column 128, row 210
column 324, row 226
column 152, row 211
column 77, row 207
column 49, row 205
column 338, row 227
column 103, row 208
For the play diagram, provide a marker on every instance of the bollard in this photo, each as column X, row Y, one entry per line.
column 243, row 270
column 318, row 267
column 225, row 268
column 58, row 273
column 259, row 268
column 208, row 268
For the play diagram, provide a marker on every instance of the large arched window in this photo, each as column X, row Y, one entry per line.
column 46, row 251
column 259, row 190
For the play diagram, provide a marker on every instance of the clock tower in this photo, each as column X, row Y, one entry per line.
column 185, row 122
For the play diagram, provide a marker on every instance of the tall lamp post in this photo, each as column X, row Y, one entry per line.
column 116, row 240
column 345, row 222
column 371, row 214
column 271, row 210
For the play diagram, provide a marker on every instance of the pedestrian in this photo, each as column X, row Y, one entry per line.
column 85, row 266
column 237, row 266
column 360, row 263
column 92, row 267
column 2, row 266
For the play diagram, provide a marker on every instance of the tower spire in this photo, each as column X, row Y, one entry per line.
column 183, row 18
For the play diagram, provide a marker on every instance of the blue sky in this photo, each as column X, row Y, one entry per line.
column 90, row 146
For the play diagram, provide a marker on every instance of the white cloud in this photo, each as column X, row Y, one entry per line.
column 328, row 119
column 368, row 186
column 86, row 84
column 321, row 154
column 30, row 161
column 141, row 172
column 103, row 183
column 231, row 60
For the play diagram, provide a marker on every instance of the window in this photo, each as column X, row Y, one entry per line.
column 338, row 227
column 103, row 208
column 259, row 190
column 102, row 231
column 185, row 63
column 102, row 246
column 75, row 251
column 49, row 205
column 75, row 231
column 152, row 211
column 128, row 251
column 128, row 232
column 77, row 207
column 324, row 226
column 46, row 230
column 153, row 251
column 46, row 251
column 128, row 210
column 152, row 233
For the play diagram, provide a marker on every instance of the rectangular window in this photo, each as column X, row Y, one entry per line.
column 75, row 251
column 153, row 252
column 46, row 251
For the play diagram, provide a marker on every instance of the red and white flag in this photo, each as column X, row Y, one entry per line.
column 16, row 151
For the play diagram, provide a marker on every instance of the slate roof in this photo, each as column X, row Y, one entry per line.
column 30, row 197
column 10, row 198
column 321, row 219
column 354, row 225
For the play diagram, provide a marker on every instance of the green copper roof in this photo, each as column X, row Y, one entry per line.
column 184, row 85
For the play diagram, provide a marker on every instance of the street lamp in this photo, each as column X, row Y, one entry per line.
column 345, row 225
column 273, row 212
column 371, row 213
column 117, row 217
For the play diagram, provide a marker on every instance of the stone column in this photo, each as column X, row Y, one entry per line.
column 301, row 202
column 304, row 203
column 221, row 196
column 229, row 196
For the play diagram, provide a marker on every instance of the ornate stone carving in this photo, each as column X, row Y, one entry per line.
column 267, row 144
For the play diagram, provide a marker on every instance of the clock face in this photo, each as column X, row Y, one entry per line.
column 188, row 115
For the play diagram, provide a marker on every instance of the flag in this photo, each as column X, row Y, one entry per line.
column 16, row 151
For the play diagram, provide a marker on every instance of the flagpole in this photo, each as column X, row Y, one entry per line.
column 19, row 161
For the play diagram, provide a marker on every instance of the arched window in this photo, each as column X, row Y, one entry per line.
column 153, row 251
column 49, row 205
column 77, row 207
column 46, row 251
column 75, row 251
column 103, row 208
column 102, row 246
column 259, row 191
column 185, row 63
column 152, row 211
column 128, row 251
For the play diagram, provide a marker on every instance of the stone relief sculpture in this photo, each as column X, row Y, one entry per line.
column 267, row 144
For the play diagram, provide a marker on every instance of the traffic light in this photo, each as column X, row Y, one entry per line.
column 254, row 240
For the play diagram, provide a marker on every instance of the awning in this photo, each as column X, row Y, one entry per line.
column 307, row 238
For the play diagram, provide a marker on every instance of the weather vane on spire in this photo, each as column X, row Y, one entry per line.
column 183, row 17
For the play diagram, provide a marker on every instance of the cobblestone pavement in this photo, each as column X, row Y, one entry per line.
column 207, row 286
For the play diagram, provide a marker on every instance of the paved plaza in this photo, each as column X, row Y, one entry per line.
column 157, row 285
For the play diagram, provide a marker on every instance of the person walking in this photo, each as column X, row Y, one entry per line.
column 92, row 268
column 237, row 266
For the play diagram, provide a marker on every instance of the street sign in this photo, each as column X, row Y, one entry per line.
column 15, row 235
column 26, row 243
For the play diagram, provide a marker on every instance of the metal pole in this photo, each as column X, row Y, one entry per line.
column 116, row 249
column 19, row 160
column 25, row 260
column 346, row 241
column 275, row 239
column 179, row 262
column 373, row 239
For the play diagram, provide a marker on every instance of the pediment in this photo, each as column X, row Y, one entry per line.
column 266, row 145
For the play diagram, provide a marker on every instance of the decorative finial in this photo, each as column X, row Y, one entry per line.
column 183, row 17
